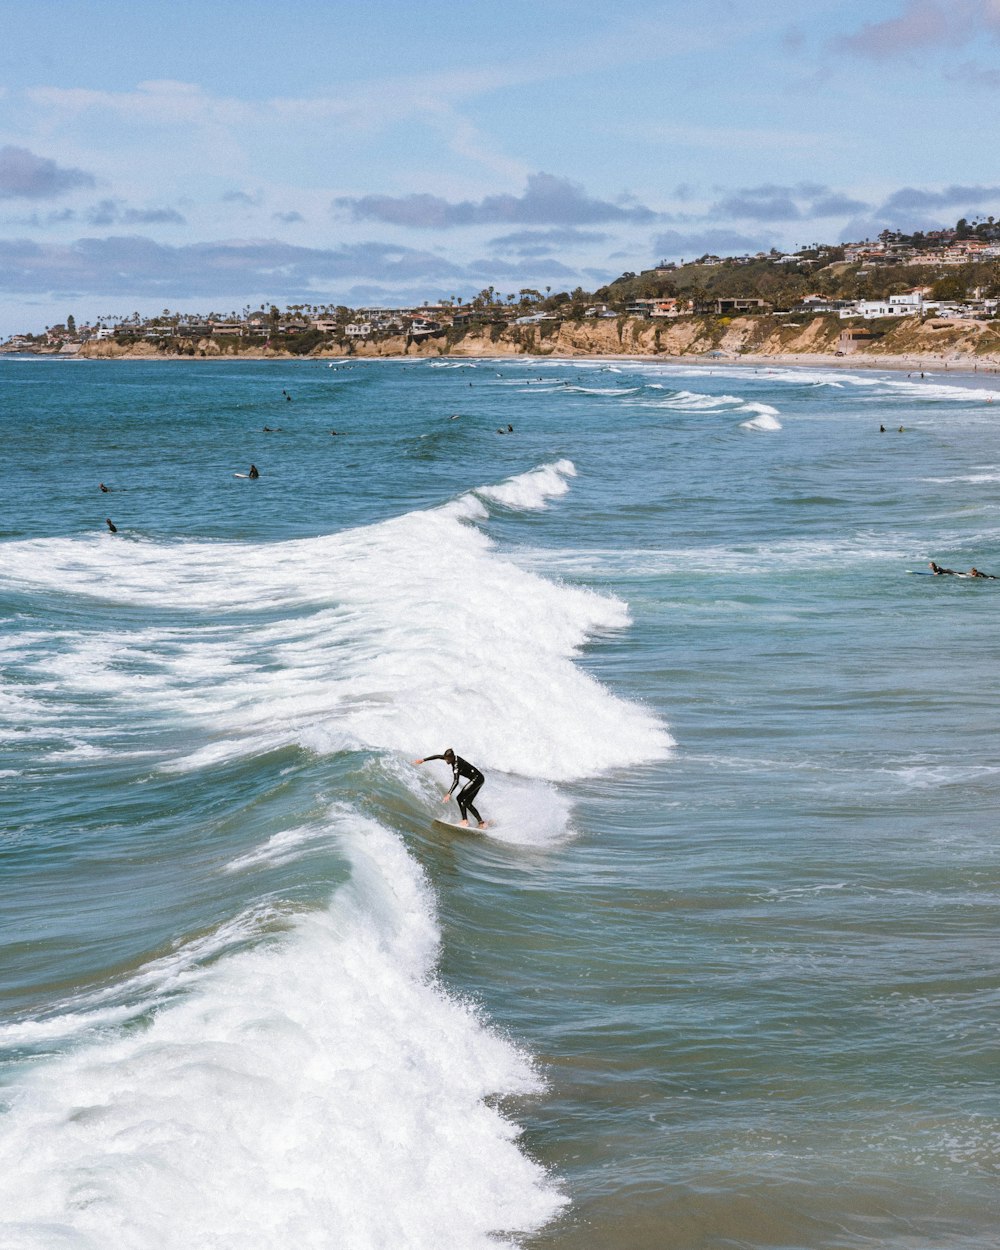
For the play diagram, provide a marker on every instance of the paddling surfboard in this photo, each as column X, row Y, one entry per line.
column 928, row 573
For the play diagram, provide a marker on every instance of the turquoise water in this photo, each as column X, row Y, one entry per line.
column 723, row 970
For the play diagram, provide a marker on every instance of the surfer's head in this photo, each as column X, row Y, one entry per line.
column 449, row 755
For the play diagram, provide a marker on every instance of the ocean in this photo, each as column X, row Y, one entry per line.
column 722, row 972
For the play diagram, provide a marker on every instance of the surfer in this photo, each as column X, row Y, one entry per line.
column 111, row 525
column 105, row 489
column 254, row 471
column 974, row 572
column 937, row 570
column 461, row 768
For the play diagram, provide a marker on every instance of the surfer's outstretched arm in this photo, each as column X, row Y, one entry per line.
column 449, row 758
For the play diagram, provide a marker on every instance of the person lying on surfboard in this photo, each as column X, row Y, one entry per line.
column 937, row 570
column 461, row 768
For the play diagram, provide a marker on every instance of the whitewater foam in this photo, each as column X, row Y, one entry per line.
column 321, row 1089
column 361, row 639
column 531, row 491
column 767, row 418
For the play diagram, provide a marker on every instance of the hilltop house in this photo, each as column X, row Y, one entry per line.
column 909, row 305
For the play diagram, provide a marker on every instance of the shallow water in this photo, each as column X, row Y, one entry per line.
column 722, row 972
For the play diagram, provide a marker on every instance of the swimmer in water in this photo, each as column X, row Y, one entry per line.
column 111, row 525
column 974, row 572
column 105, row 489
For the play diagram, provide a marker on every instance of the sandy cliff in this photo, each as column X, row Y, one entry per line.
column 753, row 338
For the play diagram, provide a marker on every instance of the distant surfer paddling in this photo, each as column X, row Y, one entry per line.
column 461, row 769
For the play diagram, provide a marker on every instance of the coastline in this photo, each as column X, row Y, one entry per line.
column 908, row 344
column 968, row 368
column 956, row 348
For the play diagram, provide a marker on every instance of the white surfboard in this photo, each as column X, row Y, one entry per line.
column 457, row 828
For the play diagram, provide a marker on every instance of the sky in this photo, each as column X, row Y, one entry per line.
column 209, row 156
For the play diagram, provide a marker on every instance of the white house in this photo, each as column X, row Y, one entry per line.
column 909, row 305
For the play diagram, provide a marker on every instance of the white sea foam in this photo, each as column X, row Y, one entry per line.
column 317, row 1090
column 283, row 847
column 406, row 636
column 533, row 490
column 94, row 1011
column 973, row 478
column 932, row 387
column 767, row 418
column 694, row 401
column 603, row 390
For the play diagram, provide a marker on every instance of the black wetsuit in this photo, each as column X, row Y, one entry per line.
column 459, row 769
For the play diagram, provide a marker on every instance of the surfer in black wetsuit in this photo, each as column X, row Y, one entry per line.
column 937, row 570
column 461, row 768
column 254, row 471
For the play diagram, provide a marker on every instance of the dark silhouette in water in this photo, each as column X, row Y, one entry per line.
column 104, row 488
column 254, row 471
column 111, row 525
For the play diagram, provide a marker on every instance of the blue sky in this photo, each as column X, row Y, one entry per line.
column 207, row 156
